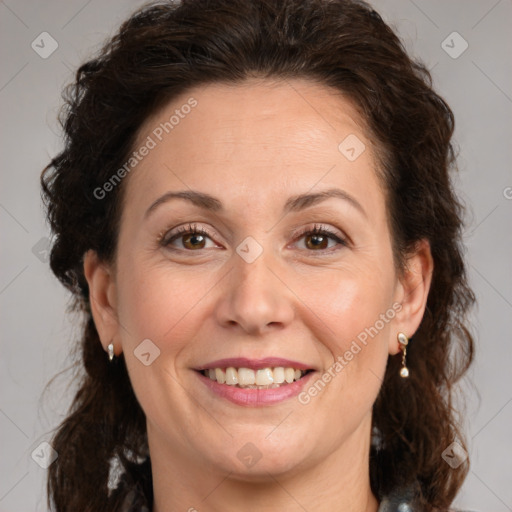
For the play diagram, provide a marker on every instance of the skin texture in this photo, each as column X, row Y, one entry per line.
column 253, row 146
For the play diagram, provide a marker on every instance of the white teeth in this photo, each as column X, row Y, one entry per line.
column 249, row 378
column 264, row 377
column 231, row 376
column 246, row 377
column 289, row 375
column 220, row 375
column 279, row 375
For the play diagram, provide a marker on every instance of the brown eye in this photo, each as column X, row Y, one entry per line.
column 320, row 239
column 316, row 242
column 188, row 238
column 194, row 241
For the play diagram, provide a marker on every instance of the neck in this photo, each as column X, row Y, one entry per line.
column 340, row 481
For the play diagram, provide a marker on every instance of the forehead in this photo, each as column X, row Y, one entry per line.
column 257, row 139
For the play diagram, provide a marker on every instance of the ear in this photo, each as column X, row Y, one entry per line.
column 412, row 292
column 102, row 297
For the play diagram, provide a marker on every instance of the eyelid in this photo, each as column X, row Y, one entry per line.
column 318, row 228
column 312, row 226
column 167, row 235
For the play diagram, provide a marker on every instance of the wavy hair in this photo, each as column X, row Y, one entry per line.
column 161, row 51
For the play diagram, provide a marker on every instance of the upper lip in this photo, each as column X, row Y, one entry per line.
column 254, row 364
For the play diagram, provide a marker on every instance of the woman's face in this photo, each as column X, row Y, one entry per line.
column 254, row 236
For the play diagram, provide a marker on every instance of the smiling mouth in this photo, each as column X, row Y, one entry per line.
column 247, row 378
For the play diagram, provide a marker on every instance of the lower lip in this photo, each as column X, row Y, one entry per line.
column 255, row 397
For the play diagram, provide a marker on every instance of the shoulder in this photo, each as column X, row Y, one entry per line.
column 406, row 500
column 134, row 492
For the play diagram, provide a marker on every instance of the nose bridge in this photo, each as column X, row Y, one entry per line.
column 254, row 278
column 255, row 299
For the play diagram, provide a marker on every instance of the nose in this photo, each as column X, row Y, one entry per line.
column 255, row 299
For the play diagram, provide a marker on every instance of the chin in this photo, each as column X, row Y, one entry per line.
column 252, row 460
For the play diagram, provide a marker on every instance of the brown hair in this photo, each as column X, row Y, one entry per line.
column 165, row 49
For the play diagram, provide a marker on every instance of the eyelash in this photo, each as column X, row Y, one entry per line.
column 321, row 230
column 192, row 229
column 189, row 229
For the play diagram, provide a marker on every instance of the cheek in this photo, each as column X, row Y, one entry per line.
column 352, row 319
column 351, row 315
column 350, row 302
column 158, row 302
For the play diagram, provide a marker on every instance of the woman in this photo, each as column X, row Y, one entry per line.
column 254, row 213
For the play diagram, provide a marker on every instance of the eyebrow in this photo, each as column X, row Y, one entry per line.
column 293, row 204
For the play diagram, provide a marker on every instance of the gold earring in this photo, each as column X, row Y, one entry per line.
column 403, row 340
column 110, row 351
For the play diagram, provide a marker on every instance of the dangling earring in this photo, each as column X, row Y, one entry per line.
column 403, row 340
column 110, row 351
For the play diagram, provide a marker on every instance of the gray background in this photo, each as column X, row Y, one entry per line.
column 36, row 333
